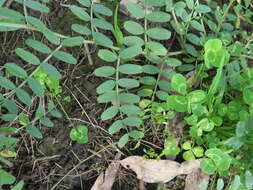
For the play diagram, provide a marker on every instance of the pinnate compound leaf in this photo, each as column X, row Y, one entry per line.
column 157, row 48
column 36, row 87
column 128, row 83
column 110, row 113
column 159, row 33
column 203, row 8
column 135, row 10
column 115, row 127
column 107, row 97
column 103, row 24
column 123, row 141
column 133, row 41
column 27, row 56
column 6, row 83
column 73, row 41
column 130, row 69
column 102, row 39
column 78, row 28
column 34, row 132
column 132, row 121
column 23, row 96
column 37, row 6
column 130, row 52
column 107, row 55
column 11, row 106
column 14, row 69
column 133, row 27
column 51, row 70
column 46, row 122
column 106, row 86
column 150, row 69
column 65, row 57
column 105, row 71
column 85, row 3
column 101, row 9
column 129, row 98
column 130, row 109
column 79, row 12
column 158, row 16
column 38, row 46
column 136, row 134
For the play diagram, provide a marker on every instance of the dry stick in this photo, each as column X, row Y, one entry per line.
column 79, row 164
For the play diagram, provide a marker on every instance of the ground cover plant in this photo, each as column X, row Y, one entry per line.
column 170, row 80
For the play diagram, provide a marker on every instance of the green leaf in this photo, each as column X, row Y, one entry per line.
column 79, row 12
column 158, row 3
column 110, row 113
column 207, row 166
column 34, row 132
column 40, row 112
column 36, row 22
column 79, row 134
column 197, row 97
column 196, row 25
column 27, row 56
column 248, row 96
column 194, row 39
column 190, row 4
column 170, row 148
column 11, row 106
column 236, row 183
column 51, row 36
column 56, row 114
column 220, row 184
column 136, row 134
column 6, row 178
column 135, row 10
column 159, row 33
column 102, row 39
column 150, row 69
column 128, row 83
column 36, row 6
column 178, row 103
column 101, row 9
column 130, row 52
column 107, row 55
column 133, row 41
column 8, row 117
column 130, row 69
column 51, row 70
column 12, row 14
column 106, row 86
column 187, row 145
column 158, row 16
column 174, row 62
column 78, row 28
column 19, row 186
column 157, row 48
column 129, row 98
column 5, row 83
column 73, row 41
column 148, row 80
column 14, row 69
column 40, row 47
column 46, row 122
column 24, row 97
column 132, row 121
column 133, row 27
column 36, row 87
column 103, row 24
column 188, row 155
column 115, row 127
column 85, row 3
column 130, row 109
column 105, row 71
column 203, row 9
column 107, row 97
column 248, row 179
column 123, row 141
column 198, row 151
column 65, row 57
column 178, row 82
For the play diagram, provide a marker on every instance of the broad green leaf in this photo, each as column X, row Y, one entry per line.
column 40, row 112
column 205, row 125
column 6, row 178
column 148, row 80
column 197, row 97
column 133, row 41
column 130, row 69
column 106, row 86
column 150, row 69
column 36, row 22
column 248, row 179
column 178, row 103
column 8, row 117
column 34, row 132
column 178, row 82
column 159, row 33
column 27, row 56
column 158, row 3
column 37, row 6
column 158, row 16
column 220, row 184
column 38, row 46
column 130, row 52
column 51, row 36
column 174, row 62
column 213, row 44
column 24, row 97
column 46, row 122
column 198, row 151
column 107, row 97
column 132, row 121
column 36, row 87
column 157, row 48
column 188, row 155
column 105, row 71
column 79, row 134
column 6, row 83
column 56, row 114
column 101, row 9
column 103, row 24
column 78, row 28
column 19, row 186
column 85, row 3
column 128, row 83
column 187, row 145
column 248, row 96
column 110, row 113
column 170, row 148
column 65, row 57
column 190, row 4
column 102, row 39
column 207, row 166
column 115, row 127
column 79, row 12
column 193, row 38
column 135, row 10
column 161, row 95
column 73, row 41
column 129, row 98
column 51, row 70
column 236, row 183
column 136, row 134
column 133, row 27
column 130, row 109
column 123, row 141
column 191, row 50
column 107, row 55
column 196, row 25
column 203, row 8
column 11, row 106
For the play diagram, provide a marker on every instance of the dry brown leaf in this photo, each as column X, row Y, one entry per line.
column 106, row 179
column 158, row 171
column 194, row 179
